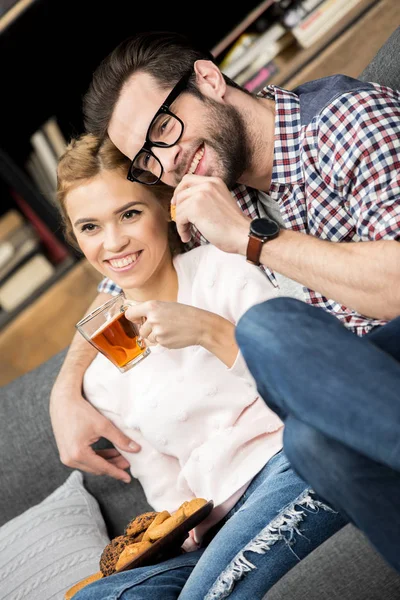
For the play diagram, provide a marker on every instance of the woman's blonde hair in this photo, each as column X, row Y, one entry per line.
column 87, row 156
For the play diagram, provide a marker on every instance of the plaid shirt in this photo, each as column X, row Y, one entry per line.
column 337, row 178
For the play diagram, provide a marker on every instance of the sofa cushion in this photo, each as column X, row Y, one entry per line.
column 29, row 458
column 53, row 545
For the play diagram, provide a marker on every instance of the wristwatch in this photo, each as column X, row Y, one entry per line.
column 261, row 230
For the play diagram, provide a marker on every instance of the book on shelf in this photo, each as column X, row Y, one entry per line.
column 10, row 221
column 262, row 44
column 55, row 250
column 317, row 23
column 55, row 136
column 263, row 58
column 48, row 144
column 38, row 174
column 46, row 155
column 25, row 281
column 297, row 11
column 260, row 79
column 16, row 248
column 242, row 44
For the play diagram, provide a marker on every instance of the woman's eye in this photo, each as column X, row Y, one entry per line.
column 88, row 227
column 130, row 214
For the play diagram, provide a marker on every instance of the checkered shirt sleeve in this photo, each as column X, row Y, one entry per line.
column 358, row 142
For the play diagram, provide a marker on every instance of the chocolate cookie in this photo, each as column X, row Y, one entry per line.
column 140, row 523
column 111, row 553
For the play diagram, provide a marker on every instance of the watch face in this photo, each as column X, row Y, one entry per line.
column 264, row 228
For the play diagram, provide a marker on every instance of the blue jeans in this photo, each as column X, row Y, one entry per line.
column 339, row 396
column 276, row 522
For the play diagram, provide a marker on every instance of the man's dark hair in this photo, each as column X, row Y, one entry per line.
column 166, row 56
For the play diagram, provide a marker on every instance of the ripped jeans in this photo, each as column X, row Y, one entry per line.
column 276, row 523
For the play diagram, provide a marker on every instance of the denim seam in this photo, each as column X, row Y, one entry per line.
column 161, row 568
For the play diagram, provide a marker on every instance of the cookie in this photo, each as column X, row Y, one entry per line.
column 191, row 507
column 111, row 552
column 140, row 523
column 81, row 584
column 169, row 525
column 160, row 518
column 173, row 212
column 130, row 552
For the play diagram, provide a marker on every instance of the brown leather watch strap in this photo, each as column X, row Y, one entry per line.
column 254, row 247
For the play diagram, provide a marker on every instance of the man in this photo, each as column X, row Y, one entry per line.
column 325, row 159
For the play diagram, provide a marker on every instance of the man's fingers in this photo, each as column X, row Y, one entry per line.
column 114, row 457
column 119, row 439
column 100, row 466
column 184, row 231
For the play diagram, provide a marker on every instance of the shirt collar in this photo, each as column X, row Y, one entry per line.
column 287, row 166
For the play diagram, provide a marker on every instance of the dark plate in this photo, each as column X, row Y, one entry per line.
column 170, row 545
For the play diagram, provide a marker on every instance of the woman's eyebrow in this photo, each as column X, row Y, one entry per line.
column 126, row 206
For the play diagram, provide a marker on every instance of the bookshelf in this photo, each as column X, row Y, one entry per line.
column 344, row 47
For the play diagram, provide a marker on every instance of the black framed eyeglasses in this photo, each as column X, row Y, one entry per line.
column 165, row 130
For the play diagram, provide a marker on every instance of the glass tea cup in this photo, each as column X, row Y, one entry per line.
column 110, row 332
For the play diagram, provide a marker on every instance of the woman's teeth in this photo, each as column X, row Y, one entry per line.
column 118, row 263
column 197, row 158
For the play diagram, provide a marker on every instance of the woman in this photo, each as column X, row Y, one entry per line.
column 192, row 404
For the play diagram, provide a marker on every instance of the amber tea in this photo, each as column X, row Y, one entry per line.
column 110, row 332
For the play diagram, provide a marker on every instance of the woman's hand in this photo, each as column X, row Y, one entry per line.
column 169, row 324
column 175, row 325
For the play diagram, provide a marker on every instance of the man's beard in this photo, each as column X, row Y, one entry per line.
column 227, row 135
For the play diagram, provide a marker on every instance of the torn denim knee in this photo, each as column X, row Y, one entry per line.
column 282, row 528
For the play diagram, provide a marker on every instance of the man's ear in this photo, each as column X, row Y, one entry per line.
column 209, row 79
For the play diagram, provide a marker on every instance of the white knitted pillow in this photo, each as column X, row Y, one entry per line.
column 53, row 545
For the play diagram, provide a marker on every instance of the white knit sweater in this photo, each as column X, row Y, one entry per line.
column 203, row 429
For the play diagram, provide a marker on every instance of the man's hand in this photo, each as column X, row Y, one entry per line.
column 85, row 427
column 207, row 203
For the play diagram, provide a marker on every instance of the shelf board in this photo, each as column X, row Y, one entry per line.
column 241, row 27
column 13, row 13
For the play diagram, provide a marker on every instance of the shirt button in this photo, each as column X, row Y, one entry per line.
column 153, row 403
column 180, row 378
column 162, row 441
column 183, row 416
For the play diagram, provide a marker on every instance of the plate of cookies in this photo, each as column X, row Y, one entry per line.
column 158, row 536
column 148, row 539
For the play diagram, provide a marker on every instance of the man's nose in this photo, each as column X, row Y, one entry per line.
column 168, row 157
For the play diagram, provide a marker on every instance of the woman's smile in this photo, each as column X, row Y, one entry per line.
column 124, row 263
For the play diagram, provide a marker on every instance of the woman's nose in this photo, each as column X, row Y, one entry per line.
column 114, row 240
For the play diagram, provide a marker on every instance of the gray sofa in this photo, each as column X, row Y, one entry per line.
column 345, row 567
